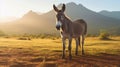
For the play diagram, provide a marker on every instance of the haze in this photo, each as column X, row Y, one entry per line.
column 17, row 8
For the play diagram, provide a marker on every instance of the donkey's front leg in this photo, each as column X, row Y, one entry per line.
column 69, row 48
column 63, row 54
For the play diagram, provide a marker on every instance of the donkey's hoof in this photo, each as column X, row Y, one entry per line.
column 63, row 57
column 76, row 54
column 83, row 53
column 70, row 57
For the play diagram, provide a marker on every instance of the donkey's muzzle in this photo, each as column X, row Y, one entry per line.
column 58, row 27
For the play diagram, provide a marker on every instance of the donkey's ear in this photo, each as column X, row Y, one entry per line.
column 55, row 8
column 63, row 7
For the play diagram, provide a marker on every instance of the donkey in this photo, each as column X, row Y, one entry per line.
column 70, row 29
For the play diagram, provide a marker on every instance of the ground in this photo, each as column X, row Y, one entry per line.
column 48, row 52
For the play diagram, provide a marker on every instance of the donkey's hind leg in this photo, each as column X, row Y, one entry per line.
column 77, row 43
column 69, row 48
column 83, row 38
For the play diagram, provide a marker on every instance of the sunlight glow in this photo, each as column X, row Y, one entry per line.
column 17, row 8
column 4, row 10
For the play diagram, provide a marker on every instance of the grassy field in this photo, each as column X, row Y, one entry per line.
column 48, row 52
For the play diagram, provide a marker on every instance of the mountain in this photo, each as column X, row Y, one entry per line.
column 31, row 22
column 113, row 14
column 7, row 19
column 45, row 23
column 95, row 21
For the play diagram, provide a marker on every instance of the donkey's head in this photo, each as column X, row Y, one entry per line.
column 60, row 16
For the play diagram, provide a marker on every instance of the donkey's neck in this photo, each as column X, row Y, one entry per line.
column 67, row 25
column 68, row 19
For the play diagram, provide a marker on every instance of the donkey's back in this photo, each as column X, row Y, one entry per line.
column 80, row 26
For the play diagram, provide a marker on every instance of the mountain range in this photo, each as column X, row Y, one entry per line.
column 35, row 23
column 113, row 14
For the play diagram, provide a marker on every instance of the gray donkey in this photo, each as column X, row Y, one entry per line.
column 69, row 29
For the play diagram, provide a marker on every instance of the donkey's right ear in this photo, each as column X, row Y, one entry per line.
column 55, row 8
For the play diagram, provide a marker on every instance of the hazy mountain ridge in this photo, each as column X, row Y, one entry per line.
column 113, row 14
column 45, row 23
column 8, row 19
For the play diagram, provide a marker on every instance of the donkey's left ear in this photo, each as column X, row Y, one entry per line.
column 55, row 8
column 63, row 7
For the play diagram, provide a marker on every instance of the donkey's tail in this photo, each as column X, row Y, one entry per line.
column 79, row 41
column 85, row 24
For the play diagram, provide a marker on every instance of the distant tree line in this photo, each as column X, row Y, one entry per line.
column 103, row 34
column 2, row 33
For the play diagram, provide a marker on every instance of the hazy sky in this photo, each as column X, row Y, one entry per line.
column 16, row 8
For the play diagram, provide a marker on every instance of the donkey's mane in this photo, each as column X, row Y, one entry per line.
column 68, row 24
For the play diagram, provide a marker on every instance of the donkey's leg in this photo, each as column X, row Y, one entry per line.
column 63, row 54
column 83, row 38
column 69, row 48
column 77, row 43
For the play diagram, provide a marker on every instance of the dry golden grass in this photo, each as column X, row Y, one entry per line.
column 48, row 52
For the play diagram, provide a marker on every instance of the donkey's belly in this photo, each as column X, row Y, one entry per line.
column 67, row 35
column 75, row 36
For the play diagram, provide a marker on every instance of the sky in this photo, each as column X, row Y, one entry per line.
column 17, row 8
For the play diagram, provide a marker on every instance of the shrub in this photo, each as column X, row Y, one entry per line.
column 104, row 35
column 24, row 38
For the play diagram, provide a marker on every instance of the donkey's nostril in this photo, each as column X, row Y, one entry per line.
column 58, row 27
